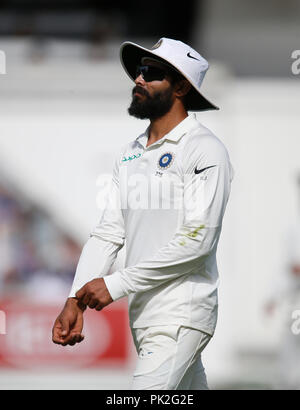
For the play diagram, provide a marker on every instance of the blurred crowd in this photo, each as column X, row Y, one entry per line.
column 284, row 297
column 34, row 252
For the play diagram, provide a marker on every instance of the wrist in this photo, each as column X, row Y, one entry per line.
column 74, row 302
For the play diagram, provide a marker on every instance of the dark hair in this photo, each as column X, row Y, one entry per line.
column 175, row 78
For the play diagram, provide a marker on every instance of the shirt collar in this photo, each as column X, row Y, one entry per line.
column 175, row 134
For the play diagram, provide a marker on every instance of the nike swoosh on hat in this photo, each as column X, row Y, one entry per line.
column 189, row 55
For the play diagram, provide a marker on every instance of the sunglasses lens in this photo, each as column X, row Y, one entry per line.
column 150, row 73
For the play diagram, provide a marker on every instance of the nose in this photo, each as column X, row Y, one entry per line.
column 139, row 80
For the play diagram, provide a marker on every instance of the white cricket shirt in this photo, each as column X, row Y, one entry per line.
column 167, row 202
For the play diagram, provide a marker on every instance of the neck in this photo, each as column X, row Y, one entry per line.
column 161, row 126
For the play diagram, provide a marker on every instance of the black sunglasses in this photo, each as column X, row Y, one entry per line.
column 150, row 73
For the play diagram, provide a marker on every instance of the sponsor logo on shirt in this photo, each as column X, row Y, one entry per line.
column 131, row 157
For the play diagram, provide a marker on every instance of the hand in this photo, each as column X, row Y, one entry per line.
column 68, row 325
column 94, row 294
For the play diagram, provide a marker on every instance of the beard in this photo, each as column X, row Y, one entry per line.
column 150, row 107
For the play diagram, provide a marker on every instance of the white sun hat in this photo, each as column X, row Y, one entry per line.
column 181, row 57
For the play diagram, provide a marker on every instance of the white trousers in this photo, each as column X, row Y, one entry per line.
column 169, row 358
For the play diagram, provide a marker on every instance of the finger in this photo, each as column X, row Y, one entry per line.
column 80, row 293
column 56, row 334
column 93, row 303
column 99, row 307
column 57, row 340
column 70, row 340
column 81, row 305
column 65, row 326
column 67, row 341
column 73, row 339
column 79, row 338
column 86, row 299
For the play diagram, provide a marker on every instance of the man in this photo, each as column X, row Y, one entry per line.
column 168, row 195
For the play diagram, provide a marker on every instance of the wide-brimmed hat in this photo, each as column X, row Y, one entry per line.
column 179, row 55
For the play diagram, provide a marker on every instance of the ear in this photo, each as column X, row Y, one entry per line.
column 182, row 87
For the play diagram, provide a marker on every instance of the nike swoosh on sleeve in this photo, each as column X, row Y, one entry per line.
column 198, row 171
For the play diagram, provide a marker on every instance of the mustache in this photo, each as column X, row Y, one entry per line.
column 140, row 90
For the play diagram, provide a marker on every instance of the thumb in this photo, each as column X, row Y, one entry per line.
column 65, row 326
column 80, row 293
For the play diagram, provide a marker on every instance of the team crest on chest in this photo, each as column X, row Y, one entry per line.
column 165, row 160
